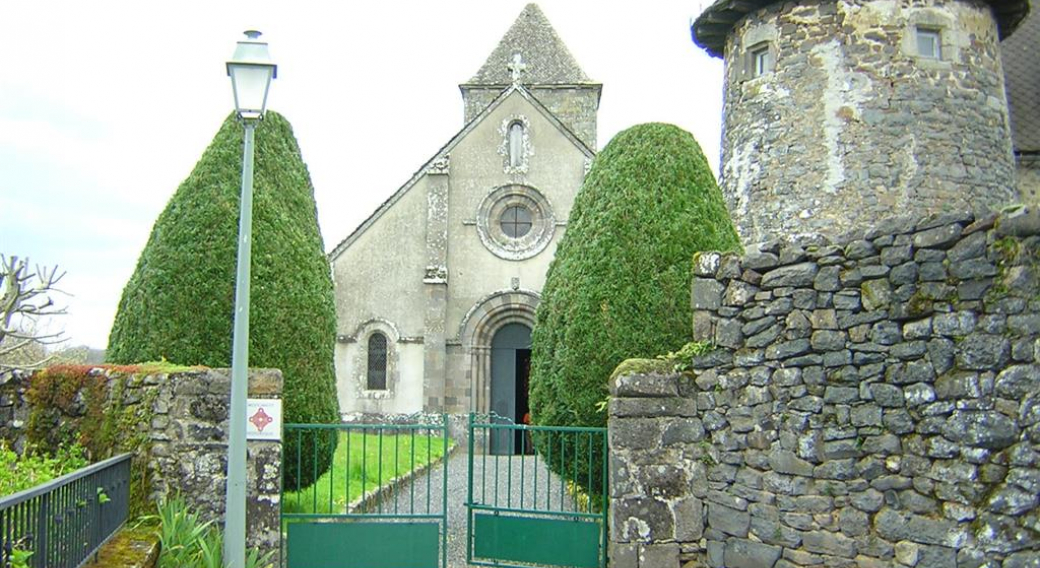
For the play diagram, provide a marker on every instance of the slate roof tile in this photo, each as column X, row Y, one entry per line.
column 1021, row 57
column 547, row 59
column 710, row 29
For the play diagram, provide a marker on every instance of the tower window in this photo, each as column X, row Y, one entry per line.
column 516, row 144
column 516, row 221
column 929, row 43
column 376, row 362
column 761, row 59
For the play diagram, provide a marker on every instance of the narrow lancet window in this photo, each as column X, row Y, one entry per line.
column 377, row 362
column 516, row 144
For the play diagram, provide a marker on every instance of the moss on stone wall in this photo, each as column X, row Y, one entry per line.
column 100, row 408
column 641, row 367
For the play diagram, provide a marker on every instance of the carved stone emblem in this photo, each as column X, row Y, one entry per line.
column 517, row 67
column 436, row 274
column 440, row 165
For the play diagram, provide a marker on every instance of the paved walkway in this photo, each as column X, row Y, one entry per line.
column 515, row 488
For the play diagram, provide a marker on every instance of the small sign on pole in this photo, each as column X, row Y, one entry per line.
column 263, row 419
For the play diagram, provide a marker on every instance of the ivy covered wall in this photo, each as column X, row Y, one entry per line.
column 174, row 421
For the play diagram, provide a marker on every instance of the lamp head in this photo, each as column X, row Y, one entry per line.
column 251, row 71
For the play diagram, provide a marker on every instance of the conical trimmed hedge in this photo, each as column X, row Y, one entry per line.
column 619, row 286
column 178, row 304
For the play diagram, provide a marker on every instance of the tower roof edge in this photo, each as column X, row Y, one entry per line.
column 710, row 29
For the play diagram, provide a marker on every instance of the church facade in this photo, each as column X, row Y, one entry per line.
column 436, row 291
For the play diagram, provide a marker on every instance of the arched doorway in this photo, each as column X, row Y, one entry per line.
column 476, row 334
column 510, row 379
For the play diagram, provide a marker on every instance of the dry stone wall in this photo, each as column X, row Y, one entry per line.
column 187, row 449
column 870, row 403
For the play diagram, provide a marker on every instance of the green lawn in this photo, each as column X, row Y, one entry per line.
column 401, row 453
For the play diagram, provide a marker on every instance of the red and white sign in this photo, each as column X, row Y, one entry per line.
column 263, row 419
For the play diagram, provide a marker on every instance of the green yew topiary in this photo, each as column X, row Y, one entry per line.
column 178, row 304
column 619, row 286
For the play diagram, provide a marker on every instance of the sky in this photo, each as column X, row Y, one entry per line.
column 106, row 106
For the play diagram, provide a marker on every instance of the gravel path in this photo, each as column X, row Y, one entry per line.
column 510, row 491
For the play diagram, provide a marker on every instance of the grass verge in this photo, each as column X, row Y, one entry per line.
column 362, row 464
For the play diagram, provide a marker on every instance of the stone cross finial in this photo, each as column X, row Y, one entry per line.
column 516, row 67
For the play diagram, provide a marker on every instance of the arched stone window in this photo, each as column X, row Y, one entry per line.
column 516, row 144
column 376, row 362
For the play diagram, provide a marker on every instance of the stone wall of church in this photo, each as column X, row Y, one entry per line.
column 870, row 403
column 404, row 392
column 475, row 100
column 378, row 289
column 852, row 124
column 554, row 169
column 576, row 107
column 482, row 274
column 424, row 269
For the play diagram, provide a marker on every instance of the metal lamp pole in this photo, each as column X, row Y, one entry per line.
column 251, row 72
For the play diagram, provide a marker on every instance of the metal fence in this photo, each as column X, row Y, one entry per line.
column 370, row 507
column 63, row 522
column 537, row 494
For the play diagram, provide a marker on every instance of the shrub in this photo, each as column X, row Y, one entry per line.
column 32, row 468
column 178, row 304
column 619, row 286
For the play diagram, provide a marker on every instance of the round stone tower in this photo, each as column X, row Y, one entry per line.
column 838, row 113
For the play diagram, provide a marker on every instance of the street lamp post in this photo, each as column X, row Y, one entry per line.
column 251, row 72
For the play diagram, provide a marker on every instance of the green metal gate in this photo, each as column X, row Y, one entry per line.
column 541, row 504
column 366, row 510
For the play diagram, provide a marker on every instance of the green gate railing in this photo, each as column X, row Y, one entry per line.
column 377, row 505
column 531, row 508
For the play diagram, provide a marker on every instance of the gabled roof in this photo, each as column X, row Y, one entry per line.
column 1021, row 57
column 547, row 59
column 711, row 28
column 447, row 148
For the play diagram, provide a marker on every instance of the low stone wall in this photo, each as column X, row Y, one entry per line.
column 458, row 423
column 873, row 403
column 187, row 449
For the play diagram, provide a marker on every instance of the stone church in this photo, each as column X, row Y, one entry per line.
column 436, row 291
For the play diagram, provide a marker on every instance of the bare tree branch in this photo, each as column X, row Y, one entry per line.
column 26, row 298
column 35, row 336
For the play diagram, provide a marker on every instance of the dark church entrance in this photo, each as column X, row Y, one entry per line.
column 510, row 379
